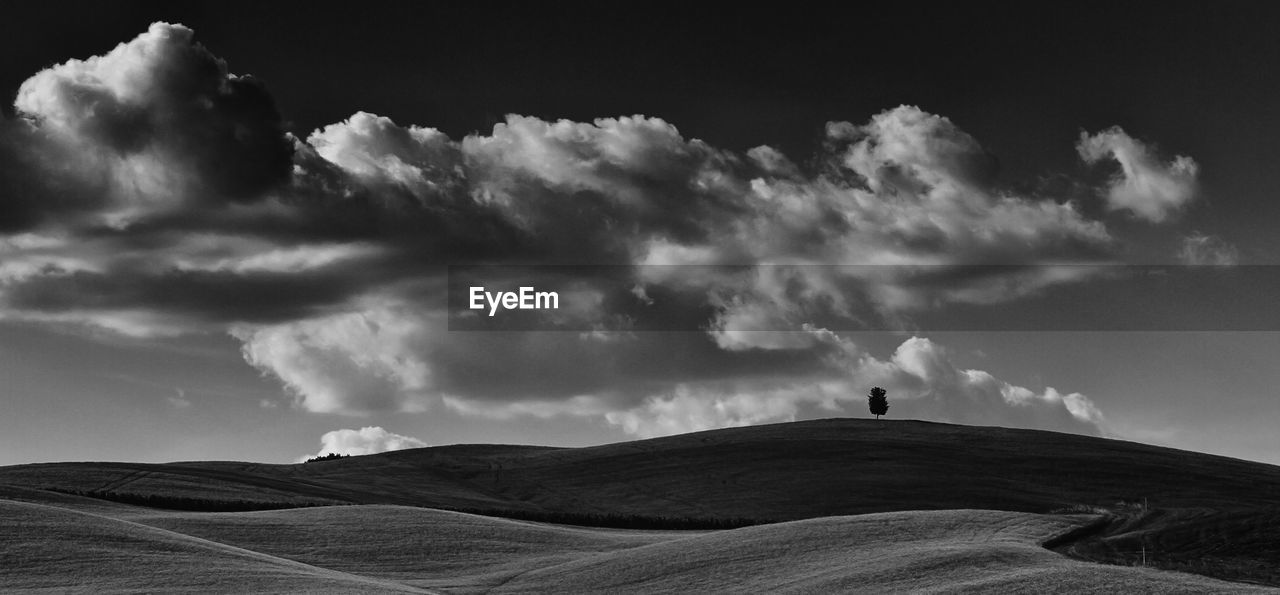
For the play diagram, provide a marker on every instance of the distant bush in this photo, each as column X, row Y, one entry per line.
column 329, row 457
column 189, row 503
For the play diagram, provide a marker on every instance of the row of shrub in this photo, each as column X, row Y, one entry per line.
column 329, row 457
column 189, row 503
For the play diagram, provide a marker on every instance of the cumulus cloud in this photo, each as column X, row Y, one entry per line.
column 941, row 390
column 1203, row 249
column 348, row 363
column 908, row 150
column 151, row 191
column 1146, row 186
column 365, row 441
column 161, row 120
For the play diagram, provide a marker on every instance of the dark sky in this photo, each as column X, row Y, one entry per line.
column 1024, row 78
column 311, row 317
column 736, row 78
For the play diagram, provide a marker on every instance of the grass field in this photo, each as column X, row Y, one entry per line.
column 380, row 548
column 890, row 506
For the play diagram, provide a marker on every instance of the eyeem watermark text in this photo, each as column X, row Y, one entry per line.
column 526, row 299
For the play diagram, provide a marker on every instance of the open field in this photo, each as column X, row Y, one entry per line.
column 393, row 549
column 935, row 507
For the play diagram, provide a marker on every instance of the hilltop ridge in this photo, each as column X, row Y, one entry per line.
column 782, row 471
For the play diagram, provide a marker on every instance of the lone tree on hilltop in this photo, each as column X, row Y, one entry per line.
column 878, row 402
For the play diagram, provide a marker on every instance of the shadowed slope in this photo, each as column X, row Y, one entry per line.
column 917, row 552
column 1239, row 544
column 781, row 471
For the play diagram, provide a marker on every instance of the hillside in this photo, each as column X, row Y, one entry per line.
column 1160, row 507
column 777, row 472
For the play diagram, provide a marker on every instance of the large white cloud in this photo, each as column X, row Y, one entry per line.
column 627, row 174
column 365, row 441
column 160, row 195
column 1146, row 186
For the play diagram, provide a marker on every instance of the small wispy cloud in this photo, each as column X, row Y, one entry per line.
column 1146, row 186
column 179, row 399
column 1203, row 249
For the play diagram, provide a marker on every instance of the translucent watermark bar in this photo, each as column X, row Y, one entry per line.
column 1039, row 297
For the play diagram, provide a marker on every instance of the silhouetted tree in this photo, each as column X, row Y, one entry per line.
column 878, row 402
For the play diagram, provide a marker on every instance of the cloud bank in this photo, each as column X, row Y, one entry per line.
column 150, row 191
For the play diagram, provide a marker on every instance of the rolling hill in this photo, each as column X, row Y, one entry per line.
column 777, row 472
column 397, row 549
column 955, row 491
